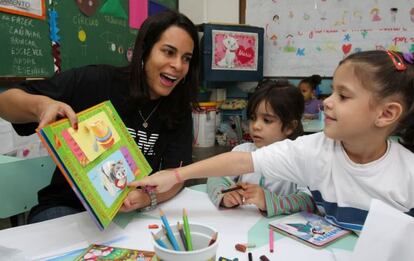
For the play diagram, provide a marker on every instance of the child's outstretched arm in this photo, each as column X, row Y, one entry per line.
column 214, row 187
column 226, row 164
column 292, row 203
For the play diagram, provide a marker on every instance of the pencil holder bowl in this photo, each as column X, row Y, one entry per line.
column 202, row 251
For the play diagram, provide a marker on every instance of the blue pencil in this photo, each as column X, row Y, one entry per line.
column 170, row 234
column 159, row 241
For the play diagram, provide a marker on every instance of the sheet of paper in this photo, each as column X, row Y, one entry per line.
column 390, row 231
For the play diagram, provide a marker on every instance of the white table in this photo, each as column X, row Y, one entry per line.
column 311, row 126
column 243, row 225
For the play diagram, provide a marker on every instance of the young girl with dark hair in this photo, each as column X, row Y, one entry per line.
column 353, row 161
column 308, row 88
column 275, row 113
column 153, row 96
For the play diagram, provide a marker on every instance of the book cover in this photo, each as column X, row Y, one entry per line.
column 98, row 160
column 102, row 252
column 309, row 228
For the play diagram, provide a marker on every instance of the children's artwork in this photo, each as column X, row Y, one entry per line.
column 233, row 50
column 309, row 228
column 30, row 8
column 89, row 7
column 93, row 137
column 311, row 37
column 138, row 12
column 98, row 160
column 107, row 253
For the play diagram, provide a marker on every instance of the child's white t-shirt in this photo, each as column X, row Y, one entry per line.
column 341, row 188
column 281, row 187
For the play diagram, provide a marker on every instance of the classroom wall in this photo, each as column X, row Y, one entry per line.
column 217, row 11
column 210, row 11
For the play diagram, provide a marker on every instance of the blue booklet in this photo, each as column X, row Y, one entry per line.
column 309, row 228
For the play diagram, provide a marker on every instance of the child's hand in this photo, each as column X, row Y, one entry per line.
column 254, row 194
column 162, row 180
column 232, row 199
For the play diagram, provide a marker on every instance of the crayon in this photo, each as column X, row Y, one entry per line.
column 231, row 189
column 159, row 241
column 182, row 235
column 152, row 226
column 271, row 240
column 170, row 234
column 187, row 231
column 240, row 247
column 250, row 255
column 264, row 258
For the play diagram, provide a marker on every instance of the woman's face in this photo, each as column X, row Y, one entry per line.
column 168, row 61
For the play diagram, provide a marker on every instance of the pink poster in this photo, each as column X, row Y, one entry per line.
column 138, row 12
column 233, row 50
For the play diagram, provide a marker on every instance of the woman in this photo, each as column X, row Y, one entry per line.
column 152, row 95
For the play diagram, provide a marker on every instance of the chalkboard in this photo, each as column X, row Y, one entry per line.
column 311, row 37
column 25, row 47
column 103, row 38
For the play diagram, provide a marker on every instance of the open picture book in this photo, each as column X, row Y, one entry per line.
column 309, row 228
column 102, row 252
column 98, row 160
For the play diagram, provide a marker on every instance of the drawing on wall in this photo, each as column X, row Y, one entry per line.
column 88, row 7
column 302, row 34
column 233, row 50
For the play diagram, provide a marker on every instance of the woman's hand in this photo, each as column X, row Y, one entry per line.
column 162, row 181
column 50, row 110
column 135, row 199
column 254, row 194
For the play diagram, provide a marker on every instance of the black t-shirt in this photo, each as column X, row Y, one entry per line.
column 84, row 87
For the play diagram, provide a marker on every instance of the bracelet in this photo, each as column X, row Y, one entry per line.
column 153, row 199
column 177, row 176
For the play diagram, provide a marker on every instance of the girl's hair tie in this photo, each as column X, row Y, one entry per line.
column 409, row 57
column 397, row 60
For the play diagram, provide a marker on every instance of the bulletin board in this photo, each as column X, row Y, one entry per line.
column 104, row 37
column 310, row 37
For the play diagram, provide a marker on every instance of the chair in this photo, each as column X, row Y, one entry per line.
column 20, row 180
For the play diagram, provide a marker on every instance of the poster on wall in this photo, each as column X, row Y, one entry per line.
column 31, row 8
column 234, row 50
column 311, row 37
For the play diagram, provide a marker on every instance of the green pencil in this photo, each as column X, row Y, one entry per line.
column 187, row 231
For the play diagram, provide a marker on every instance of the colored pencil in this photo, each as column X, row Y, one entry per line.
column 159, row 241
column 271, row 240
column 182, row 235
column 170, row 234
column 187, row 231
column 231, row 189
column 213, row 239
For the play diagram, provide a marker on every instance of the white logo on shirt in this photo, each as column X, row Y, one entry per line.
column 145, row 144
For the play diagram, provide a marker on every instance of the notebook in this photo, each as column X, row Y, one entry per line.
column 309, row 228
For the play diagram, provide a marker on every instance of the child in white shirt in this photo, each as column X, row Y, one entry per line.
column 353, row 160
